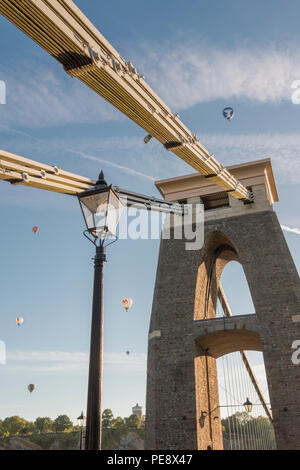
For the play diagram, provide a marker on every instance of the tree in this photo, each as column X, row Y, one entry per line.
column 118, row 422
column 44, row 424
column 63, row 423
column 1, row 428
column 13, row 425
column 245, row 425
column 29, row 428
column 107, row 418
column 133, row 422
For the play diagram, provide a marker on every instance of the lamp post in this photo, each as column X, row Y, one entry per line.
column 101, row 208
column 81, row 422
column 248, row 405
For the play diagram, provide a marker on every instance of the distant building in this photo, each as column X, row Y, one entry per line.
column 137, row 410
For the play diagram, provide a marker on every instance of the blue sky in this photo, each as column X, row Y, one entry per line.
column 199, row 57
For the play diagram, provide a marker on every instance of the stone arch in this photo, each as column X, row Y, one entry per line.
column 235, row 291
column 219, row 343
column 217, row 251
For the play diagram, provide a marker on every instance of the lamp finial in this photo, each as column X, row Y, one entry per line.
column 101, row 179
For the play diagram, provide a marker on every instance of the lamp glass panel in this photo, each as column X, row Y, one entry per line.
column 115, row 208
column 102, row 212
column 88, row 216
column 94, row 208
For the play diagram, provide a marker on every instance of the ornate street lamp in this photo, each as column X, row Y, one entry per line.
column 101, row 208
column 81, row 424
column 248, row 405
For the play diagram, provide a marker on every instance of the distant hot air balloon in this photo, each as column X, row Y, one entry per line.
column 127, row 303
column 228, row 113
column 19, row 321
column 35, row 229
column 31, row 387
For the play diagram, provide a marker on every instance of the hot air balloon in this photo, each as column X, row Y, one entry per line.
column 19, row 321
column 127, row 303
column 31, row 387
column 228, row 113
column 35, row 229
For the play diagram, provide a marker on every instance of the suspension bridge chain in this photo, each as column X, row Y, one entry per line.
column 242, row 430
column 60, row 28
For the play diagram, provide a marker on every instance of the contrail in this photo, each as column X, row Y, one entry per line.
column 15, row 131
column 114, row 165
column 84, row 155
column 290, row 229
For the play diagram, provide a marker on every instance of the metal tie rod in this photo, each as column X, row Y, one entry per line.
column 148, row 202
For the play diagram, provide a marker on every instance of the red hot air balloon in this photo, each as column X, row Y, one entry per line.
column 126, row 303
column 35, row 229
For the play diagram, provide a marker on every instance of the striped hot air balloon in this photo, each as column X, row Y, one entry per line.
column 19, row 321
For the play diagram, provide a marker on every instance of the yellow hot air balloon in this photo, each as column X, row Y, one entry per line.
column 127, row 303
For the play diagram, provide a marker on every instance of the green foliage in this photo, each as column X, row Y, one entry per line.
column 111, row 438
column 61, row 434
column 107, row 418
column 14, row 425
column 63, row 423
column 243, row 424
column 29, row 428
column 44, row 424
column 118, row 422
column 133, row 422
column 57, row 441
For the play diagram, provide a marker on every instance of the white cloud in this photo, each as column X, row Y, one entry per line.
column 190, row 73
column 42, row 97
column 46, row 356
column 64, row 361
column 290, row 229
column 183, row 74
column 283, row 149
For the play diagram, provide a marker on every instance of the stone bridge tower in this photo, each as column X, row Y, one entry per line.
column 185, row 338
